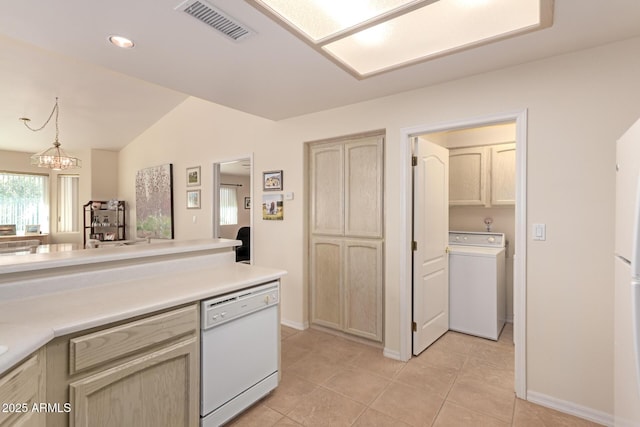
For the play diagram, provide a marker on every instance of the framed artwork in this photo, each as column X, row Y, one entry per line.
column 247, row 202
column 8, row 230
column 154, row 202
column 272, row 181
column 193, row 199
column 273, row 207
column 32, row 229
column 193, row 176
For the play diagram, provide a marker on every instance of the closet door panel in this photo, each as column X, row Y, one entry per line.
column 363, row 288
column 326, row 282
column 363, row 187
column 327, row 189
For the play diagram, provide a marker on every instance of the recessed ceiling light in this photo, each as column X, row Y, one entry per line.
column 122, row 42
column 368, row 37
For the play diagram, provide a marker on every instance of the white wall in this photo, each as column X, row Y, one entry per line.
column 578, row 104
column 104, row 174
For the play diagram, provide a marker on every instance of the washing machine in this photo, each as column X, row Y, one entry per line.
column 477, row 283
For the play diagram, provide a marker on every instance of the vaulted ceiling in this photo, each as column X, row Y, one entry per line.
column 108, row 96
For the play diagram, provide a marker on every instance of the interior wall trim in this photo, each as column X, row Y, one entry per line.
column 520, row 260
column 571, row 408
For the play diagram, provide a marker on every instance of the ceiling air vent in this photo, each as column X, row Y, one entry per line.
column 216, row 19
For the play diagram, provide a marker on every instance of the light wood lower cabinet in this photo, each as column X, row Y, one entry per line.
column 346, row 178
column 346, row 285
column 22, row 391
column 139, row 373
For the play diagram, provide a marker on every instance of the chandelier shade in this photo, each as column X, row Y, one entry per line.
column 53, row 157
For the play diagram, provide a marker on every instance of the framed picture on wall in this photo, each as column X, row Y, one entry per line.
column 193, row 199
column 247, row 202
column 32, row 229
column 193, row 176
column 154, row 202
column 272, row 181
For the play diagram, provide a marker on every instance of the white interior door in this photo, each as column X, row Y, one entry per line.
column 430, row 234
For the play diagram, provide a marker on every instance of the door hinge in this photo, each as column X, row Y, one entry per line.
column 414, row 160
column 446, row 250
column 414, row 245
column 414, row 326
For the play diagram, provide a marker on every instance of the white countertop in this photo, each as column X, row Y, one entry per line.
column 33, row 262
column 28, row 323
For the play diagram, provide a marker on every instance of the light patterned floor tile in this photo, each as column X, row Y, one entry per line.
column 426, row 377
column 452, row 415
column 289, row 393
column 372, row 360
column 438, row 358
column 408, row 404
column 313, row 367
column 326, row 408
column 256, row 416
column 357, row 384
column 373, row 418
column 481, row 397
column 530, row 415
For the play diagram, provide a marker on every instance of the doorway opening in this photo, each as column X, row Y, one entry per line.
column 232, row 204
column 513, row 218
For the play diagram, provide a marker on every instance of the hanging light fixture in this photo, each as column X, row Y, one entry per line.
column 54, row 157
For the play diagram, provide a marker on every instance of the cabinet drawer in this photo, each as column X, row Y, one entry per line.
column 110, row 344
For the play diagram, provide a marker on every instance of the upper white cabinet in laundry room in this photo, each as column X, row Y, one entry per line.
column 482, row 176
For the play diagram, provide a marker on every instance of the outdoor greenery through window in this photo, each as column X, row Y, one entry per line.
column 68, row 203
column 228, row 206
column 24, row 200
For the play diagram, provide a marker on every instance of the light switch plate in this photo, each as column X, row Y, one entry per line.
column 539, row 231
column 288, row 196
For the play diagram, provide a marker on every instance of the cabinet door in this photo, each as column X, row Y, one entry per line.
column 363, row 288
column 326, row 282
column 467, row 176
column 503, row 174
column 24, row 387
column 157, row 389
column 363, row 187
column 326, row 189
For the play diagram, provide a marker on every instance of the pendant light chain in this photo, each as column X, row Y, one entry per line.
column 54, row 157
column 55, row 110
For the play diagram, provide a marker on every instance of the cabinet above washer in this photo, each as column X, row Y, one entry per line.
column 482, row 176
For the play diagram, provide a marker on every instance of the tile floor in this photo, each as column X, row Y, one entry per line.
column 459, row 381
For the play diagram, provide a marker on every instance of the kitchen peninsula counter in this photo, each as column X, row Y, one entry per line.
column 61, row 293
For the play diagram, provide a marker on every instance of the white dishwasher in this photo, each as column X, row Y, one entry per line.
column 239, row 351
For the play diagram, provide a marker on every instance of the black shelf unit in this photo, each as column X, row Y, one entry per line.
column 104, row 220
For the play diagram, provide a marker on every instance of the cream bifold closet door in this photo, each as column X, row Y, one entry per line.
column 346, row 235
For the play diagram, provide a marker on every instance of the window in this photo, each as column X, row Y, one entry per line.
column 228, row 206
column 24, row 200
column 68, row 203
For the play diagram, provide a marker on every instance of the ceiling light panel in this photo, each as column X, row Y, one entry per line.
column 439, row 28
column 322, row 19
column 368, row 37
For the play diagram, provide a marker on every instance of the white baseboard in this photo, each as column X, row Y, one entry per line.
column 570, row 408
column 295, row 325
column 391, row 354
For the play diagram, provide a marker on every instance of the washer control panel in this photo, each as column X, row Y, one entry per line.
column 469, row 238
